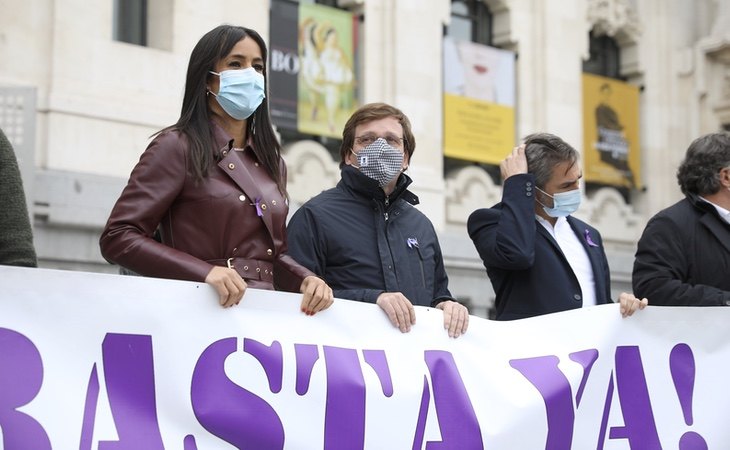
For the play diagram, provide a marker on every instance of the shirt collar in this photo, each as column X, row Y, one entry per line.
column 548, row 226
column 724, row 213
column 222, row 140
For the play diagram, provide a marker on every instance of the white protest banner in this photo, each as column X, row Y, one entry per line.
column 93, row 361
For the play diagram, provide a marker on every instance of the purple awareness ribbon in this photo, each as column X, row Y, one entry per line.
column 589, row 239
column 259, row 212
column 412, row 242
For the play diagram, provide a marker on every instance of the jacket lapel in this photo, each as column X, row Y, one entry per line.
column 546, row 234
column 234, row 165
column 717, row 227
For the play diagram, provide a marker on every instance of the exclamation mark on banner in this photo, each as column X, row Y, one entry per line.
column 682, row 366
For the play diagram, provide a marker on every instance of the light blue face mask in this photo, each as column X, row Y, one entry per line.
column 564, row 203
column 240, row 92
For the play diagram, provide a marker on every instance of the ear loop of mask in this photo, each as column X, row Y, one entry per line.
column 356, row 159
column 545, row 193
column 207, row 88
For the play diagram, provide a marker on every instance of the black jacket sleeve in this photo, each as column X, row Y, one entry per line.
column 661, row 268
column 16, row 236
column 505, row 235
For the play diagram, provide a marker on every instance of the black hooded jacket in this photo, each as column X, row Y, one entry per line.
column 363, row 243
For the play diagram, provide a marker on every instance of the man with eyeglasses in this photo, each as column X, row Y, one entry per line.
column 365, row 238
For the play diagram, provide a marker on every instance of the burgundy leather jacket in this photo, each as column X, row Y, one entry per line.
column 235, row 217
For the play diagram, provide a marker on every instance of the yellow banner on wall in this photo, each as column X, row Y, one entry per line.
column 479, row 98
column 476, row 130
column 612, row 153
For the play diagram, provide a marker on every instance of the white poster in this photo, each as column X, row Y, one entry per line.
column 106, row 362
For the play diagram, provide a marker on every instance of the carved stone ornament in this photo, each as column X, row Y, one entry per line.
column 614, row 18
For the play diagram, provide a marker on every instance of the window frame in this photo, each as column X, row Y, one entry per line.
column 479, row 17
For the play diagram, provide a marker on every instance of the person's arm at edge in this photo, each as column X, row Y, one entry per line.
column 16, row 238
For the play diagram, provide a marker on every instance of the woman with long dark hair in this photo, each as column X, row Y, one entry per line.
column 214, row 185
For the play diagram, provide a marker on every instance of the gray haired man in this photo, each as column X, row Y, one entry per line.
column 683, row 256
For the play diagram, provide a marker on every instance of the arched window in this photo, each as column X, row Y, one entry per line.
column 605, row 57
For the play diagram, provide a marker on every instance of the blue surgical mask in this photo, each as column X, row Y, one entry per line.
column 240, row 92
column 564, row 203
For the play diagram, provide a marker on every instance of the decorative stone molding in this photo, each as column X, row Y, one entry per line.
column 615, row 18
column 612, row 216
column 311, row 170
column 717, row 48
column 722, row 19
column 469, row 189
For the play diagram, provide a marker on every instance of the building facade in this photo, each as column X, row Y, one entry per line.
column 79, row 102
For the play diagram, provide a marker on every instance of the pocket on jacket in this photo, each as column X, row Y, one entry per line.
column 426, row 267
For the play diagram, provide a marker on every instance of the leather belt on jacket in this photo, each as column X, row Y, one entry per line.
column 249, row 269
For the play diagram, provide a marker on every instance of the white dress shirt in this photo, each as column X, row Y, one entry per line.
column 576, row 255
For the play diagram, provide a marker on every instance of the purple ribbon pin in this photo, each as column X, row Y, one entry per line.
column 259, row 212
column 589, row 239
column 412, row 242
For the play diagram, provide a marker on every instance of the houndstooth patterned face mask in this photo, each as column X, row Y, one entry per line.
column 380, row 161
